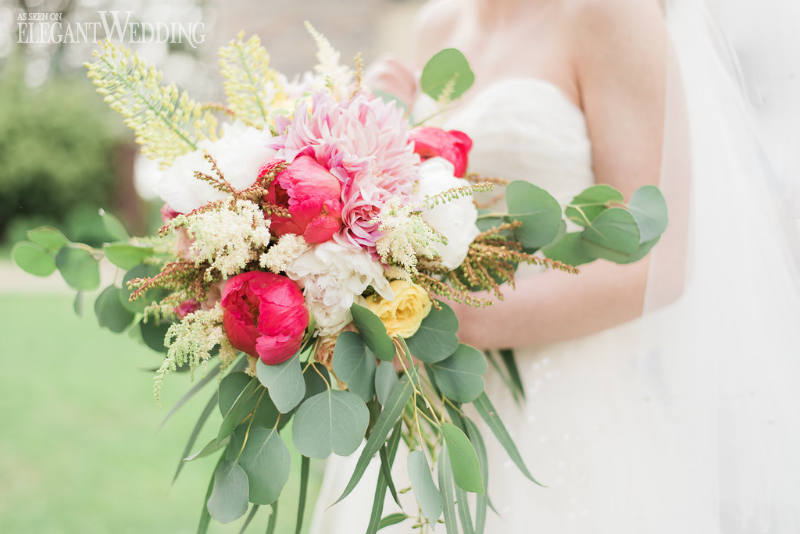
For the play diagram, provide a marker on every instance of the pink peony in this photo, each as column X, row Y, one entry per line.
column 167, row 213
column 186, row 307
column 453, row 146
column 362, row 141
column 311, row 195
column 264, row 315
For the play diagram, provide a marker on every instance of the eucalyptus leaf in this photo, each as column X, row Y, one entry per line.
column 537, row 210
column 392, row 410
column 489, row 415
column 447, row 67
column 391, row 519
column 643, row 250
column 305, row 462
column 436, row 338
column 463, row 459
column 446, row 488
column 649, row 208
column 569, row 249
column 113, row 226
column 33, row 259
column 591, row 202
column 381, row 485
column 613, row 235
column 110, row 312
column 355, row 364
column 284, row 382
column 385, row 379
column 235, row 401
column 265, row 459
column 228, row 500
column 126, row 255
column 331, row 421
column 205, row 517
column 460, row 377
column 482, row 499
column 153, row 334
column 373, row 332
column 425, row 491
column 209, row 448
column 48, row 237
column 78, row 267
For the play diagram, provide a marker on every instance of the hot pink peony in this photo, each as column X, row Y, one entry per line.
column 362, row 141
column 453, row 145
column 265, row 315
column 312, row 196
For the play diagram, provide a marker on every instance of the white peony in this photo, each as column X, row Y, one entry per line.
column 454, row 219
column 332, row 275
column 239, row 154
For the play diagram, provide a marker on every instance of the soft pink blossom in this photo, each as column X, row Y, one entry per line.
column 453, row 145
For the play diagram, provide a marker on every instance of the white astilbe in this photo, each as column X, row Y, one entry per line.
column 338, row 78
column 191, row 341
column 228, row 238
column 281, row 255
column 406, row 236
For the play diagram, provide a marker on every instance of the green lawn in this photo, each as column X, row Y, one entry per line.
column 80, row 450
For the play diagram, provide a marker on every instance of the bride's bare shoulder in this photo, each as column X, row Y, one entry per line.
column 433, row 26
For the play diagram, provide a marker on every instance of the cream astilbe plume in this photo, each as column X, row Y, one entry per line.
column 337, row 77
column 166, row 121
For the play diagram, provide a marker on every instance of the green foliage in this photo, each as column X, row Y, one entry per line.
column 110, row 311
column 284, row 382
column 447, row 75
column 331, row 421
column 33, row 258
column 57, row 150
column 385, row 379
column 463, row 459
column 265, row 459
column 78, row 267
column 355, row 364
column 166, row 121
column 428, row 496
column 228, row 499
column 373, row 332
column 537, row 210
column 460, row 376
column 436, row 338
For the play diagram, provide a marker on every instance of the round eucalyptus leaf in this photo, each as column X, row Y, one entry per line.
column 591, row 202
column 463, row 459
column 153, row 334
column 230, row 389
column 314, row 382
column 228, row 500
column 569, row 249
column 448, row 67
column 649, row 208
column 537, row 210
column 78, row 268
column 113, row 226
column 126, row 255
column 613, row 235
column 642, row 251
column 460, row 377
column 48, row 237
column 355, row 364
column 265, row 459
column 331, row 421
column 436, row 338
column 428, row 496
column 284, row 382
column 373, row 332
column 110, row 312
column 33, row 259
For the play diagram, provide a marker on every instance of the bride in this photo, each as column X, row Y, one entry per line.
column 659, row 394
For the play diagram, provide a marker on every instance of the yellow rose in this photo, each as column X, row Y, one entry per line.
column 402, row 315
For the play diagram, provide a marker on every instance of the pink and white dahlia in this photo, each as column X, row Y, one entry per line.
column 362, row 141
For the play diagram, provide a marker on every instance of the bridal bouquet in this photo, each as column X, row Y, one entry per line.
column 312, row 238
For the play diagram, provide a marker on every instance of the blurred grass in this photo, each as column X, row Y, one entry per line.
column 80, row 450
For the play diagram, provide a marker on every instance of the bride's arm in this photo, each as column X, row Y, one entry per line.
column 619, row 51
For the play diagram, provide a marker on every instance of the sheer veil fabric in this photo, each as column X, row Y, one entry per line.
column 729, row 348
column 681, row 421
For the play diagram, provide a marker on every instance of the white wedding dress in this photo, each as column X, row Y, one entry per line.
column 595, row 426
